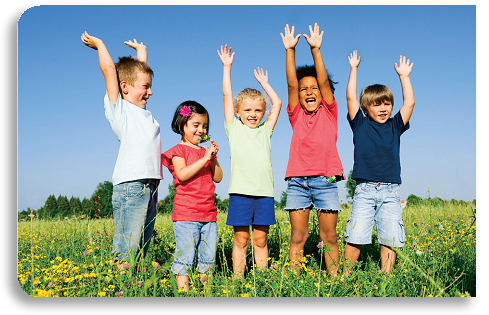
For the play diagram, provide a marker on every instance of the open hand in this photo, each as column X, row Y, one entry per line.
column 404, row 66
column 354, row 59
column 288, row 39
column 315, row 39
column 135, row 44
column 226, row 56
column 261, row 77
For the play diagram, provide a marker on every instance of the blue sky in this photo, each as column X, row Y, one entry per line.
column 66, row 146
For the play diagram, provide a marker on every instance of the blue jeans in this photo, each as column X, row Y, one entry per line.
column 134, row 209
column 379, row 203
column 316, row 191
column 194, row 239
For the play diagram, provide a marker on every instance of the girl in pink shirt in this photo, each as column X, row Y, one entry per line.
column 194, row 170
column 314, row 165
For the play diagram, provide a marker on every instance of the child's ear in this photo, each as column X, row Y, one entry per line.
column 124, row 87
column 236, row 111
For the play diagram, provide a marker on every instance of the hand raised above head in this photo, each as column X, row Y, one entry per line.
column 354, row 59
column 404, row 67
column 315, row 39
column 260, row 76
column 90, row 41
column 135, row 44
column 226, row 56
column 289, row 40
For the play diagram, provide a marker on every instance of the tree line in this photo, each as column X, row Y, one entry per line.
column 99, row 205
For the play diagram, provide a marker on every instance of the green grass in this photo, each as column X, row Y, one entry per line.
column 73, row 258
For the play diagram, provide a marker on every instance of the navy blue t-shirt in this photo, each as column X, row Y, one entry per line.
column 377, row 146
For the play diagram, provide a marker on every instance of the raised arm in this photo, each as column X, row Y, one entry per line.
column 290, row 41
column 315, row 41
column 403, row 71
column 351, row 89
column 106, row 65
column 141, row 51
column 227, row 61
column 262, row 78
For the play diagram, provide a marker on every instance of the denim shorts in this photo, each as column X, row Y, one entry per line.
column 247, row 210
column 134, row 210
column 316, row 191
column 378, row 203
column 194, row 242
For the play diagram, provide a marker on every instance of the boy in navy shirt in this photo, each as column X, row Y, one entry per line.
column 376, row 167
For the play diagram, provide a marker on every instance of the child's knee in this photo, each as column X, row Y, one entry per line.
column 241, row 241
column 298, row 235
column 328, row 236
column 260, row 242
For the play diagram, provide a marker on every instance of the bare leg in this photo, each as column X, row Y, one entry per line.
column 182, row 282
column 298, row 236
column 387, row 258
column 327, row 232
column 352, row 252
column 260, row 247
column 241, row 241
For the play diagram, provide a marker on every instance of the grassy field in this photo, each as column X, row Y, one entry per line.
column 73, row 258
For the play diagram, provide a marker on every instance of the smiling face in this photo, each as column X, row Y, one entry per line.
column 195, row 127
column 309, row 94
column 138, row 93
column 251, row 112
column 379, row 112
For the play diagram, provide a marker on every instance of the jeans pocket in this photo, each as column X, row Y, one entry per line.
column 135, row 191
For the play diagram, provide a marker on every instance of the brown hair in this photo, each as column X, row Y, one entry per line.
column 375, row 94
column 129, row 67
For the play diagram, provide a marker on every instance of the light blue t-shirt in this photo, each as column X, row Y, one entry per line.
column 139, row 136
column 251, row 165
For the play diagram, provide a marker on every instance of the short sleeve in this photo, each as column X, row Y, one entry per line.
column 357, row 120
column 399, row 123
column 293, row 113
column 166, row 158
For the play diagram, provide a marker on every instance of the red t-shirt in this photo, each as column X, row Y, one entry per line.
column 313, row 146
column 194, row 198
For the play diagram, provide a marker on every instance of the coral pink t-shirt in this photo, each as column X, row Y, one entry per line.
column 313, row 146
column 194, row 198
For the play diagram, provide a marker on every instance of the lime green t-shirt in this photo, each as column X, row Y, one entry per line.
column 251, row 164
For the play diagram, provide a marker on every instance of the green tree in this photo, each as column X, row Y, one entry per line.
column 283, row 200
column 50, row 207
column 102, row 200
column 168, row 201
column 87, row 208
column 413, row 200
column 75, row 206
column 350, row 185
column 63, row 207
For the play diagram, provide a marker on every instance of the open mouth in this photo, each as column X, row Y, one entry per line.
column 310, row 101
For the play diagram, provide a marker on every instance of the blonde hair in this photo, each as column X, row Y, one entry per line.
column 128, row 69
column 251, row 94
column 375, row 94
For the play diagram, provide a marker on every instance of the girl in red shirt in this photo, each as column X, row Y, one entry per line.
column 194, row 169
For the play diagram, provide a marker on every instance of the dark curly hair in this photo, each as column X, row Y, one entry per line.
column 179, row 121
column 310, row 71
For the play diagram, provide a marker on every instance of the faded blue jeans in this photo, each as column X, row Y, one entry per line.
column 134, row 209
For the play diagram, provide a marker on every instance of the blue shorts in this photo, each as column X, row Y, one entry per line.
column 378, row 203
column 316, row 191
column 194, row 240
column 247, row 210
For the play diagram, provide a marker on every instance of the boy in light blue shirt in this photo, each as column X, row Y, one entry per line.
column 137, row 170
